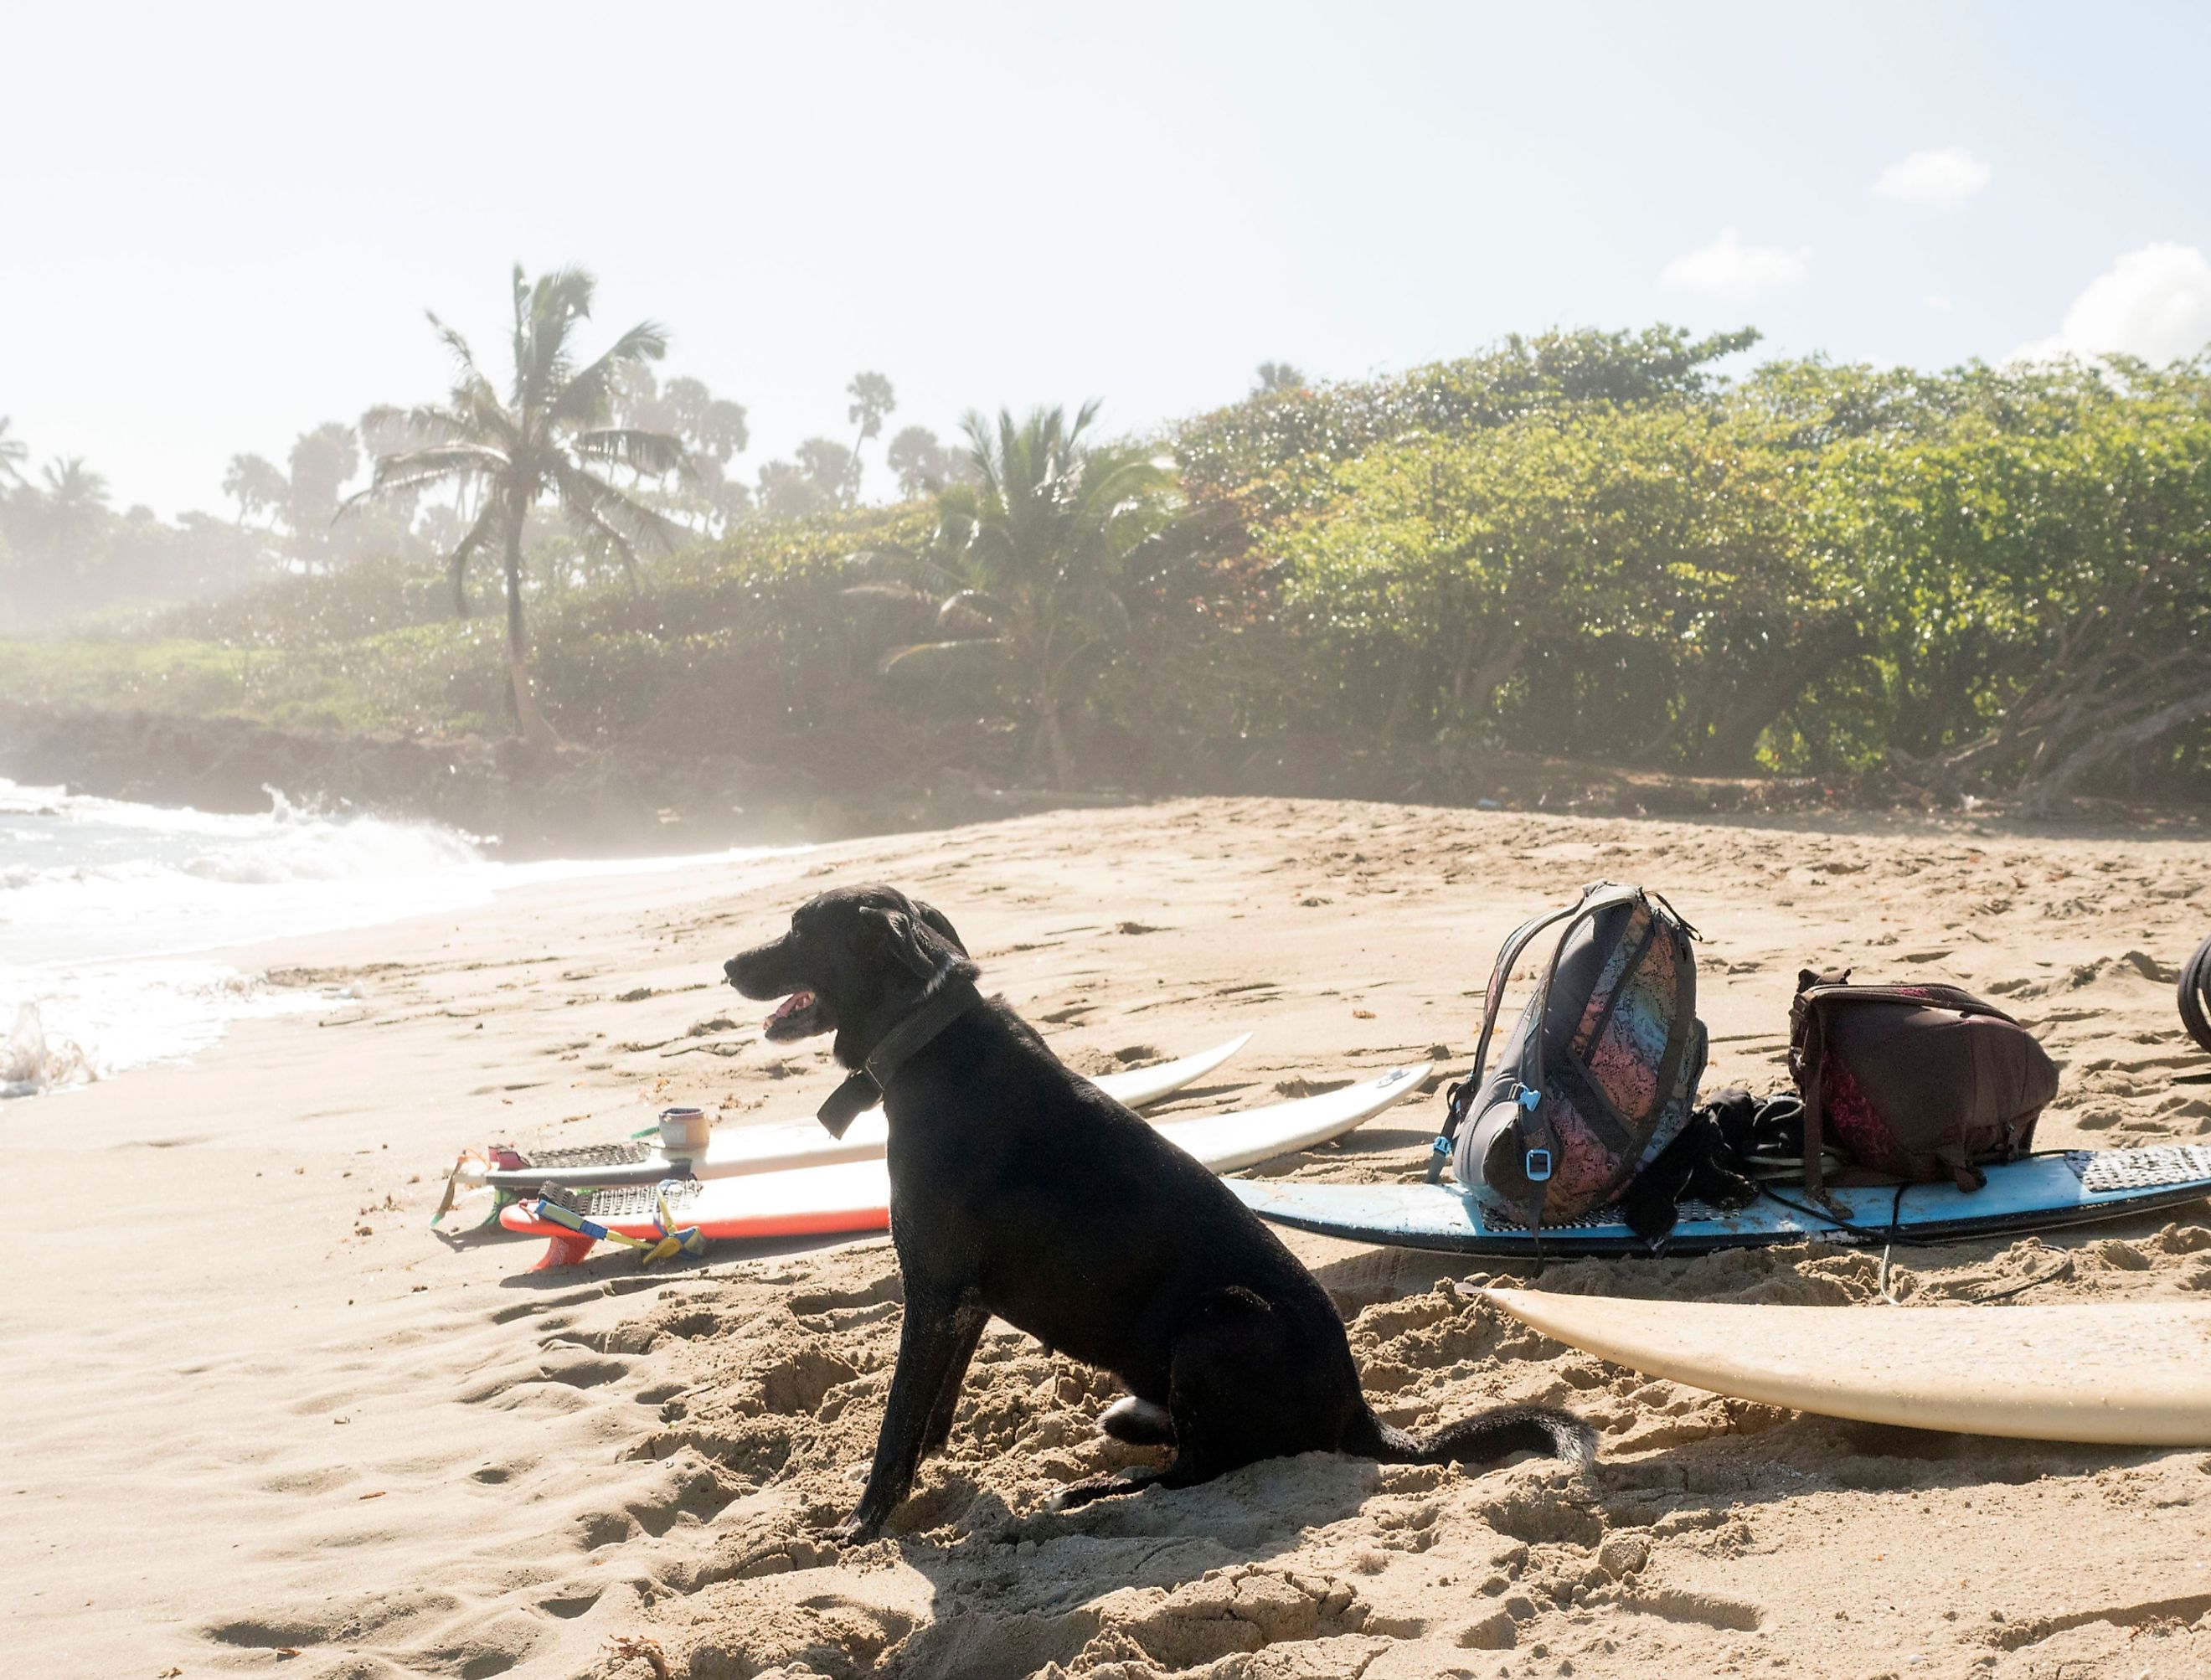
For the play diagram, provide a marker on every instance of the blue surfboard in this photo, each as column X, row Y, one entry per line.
column 2039, row 1194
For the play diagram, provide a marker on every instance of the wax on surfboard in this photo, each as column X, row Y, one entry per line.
column 734, row 1150
column 2127, row 1372
column 854, row 1196
column 2041, row 1193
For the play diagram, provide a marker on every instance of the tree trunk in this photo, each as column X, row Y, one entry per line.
column 1481, row 681
column 1737, row 726
column 2051, row 793
column 1050, row 746
column 1402, row 701
column 528, row 723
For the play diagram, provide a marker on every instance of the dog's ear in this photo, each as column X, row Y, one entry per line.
column 937, row 919
column 906, row 939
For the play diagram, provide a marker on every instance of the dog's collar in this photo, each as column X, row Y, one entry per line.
column 866, row 1088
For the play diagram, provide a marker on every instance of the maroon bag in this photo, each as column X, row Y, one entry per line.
column 1912, row 1083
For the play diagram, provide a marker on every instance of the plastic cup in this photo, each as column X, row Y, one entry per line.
column 684, row 1131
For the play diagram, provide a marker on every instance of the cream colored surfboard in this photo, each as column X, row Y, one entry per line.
column 2127, row 1372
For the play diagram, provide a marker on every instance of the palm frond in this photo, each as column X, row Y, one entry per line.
column 465, row 369
column 621, row 519
column 654, row 454
column 968, row 609
column 980, row 453
column 543, row 366
column 897, row 594
column 420, row 425
column 520, row 289
column 921, row 657
column 587, row 397
column 414, row 469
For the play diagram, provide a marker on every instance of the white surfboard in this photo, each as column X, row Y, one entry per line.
column 854, row 1196
column 734, row 1151
column 2126, row 1373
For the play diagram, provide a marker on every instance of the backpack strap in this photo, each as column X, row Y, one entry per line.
column 1461, row 1095
column 1808, row 1056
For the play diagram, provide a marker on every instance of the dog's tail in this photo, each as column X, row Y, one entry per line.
column 1483, row 1439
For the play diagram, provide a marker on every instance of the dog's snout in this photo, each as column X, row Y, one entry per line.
column 760, row 973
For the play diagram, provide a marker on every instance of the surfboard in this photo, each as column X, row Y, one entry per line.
column 2129, row 1372
column 854, row 1196
column 732, row 1151
column 2041, row 1193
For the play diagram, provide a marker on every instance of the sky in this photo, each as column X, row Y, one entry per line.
column 221, row 223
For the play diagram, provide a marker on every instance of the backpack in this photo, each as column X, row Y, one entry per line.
column 1912, row 1083
column 1600, row 1074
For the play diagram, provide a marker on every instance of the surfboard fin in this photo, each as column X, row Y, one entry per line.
column 568, row 1249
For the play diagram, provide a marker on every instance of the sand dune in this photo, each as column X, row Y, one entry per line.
column 260, row 1410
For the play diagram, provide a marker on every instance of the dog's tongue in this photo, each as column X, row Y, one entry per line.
column 791, row 1006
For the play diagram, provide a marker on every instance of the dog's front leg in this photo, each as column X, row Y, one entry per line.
column 939, row 1334
column 956, row 1373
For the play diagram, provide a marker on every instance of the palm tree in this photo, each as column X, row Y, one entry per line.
column 1035, row 556
column 14, row 451
column 872, row 401
column 545, row 436
column 919, row 460
column 254, row 481
column 72, row 508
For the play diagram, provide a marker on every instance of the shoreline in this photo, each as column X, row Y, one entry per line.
column 632, row 799
column 395, row 1454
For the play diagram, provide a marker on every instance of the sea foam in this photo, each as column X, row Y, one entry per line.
column 108, row 910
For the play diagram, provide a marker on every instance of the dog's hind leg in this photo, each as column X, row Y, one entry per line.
column 1236, row 1393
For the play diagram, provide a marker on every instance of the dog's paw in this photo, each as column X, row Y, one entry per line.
column 855, row 1530
column 1138, row 1423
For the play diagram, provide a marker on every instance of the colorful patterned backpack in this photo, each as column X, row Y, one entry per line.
column 1600, row 1074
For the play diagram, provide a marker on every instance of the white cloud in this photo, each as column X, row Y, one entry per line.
column 2154, row 303
column 1730, row 270
column 1945, row 176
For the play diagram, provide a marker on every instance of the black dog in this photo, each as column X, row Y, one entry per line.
column 1020, row 1189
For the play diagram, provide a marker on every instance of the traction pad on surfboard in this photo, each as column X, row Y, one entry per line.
column 587, row 1154
column 629, row 1201
column 2101, row 1172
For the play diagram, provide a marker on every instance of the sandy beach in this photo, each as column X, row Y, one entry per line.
column 261, row 1420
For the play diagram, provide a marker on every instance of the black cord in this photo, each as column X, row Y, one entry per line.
column 1874, row 1233
column 1895, row 1219
column 2062, row 1269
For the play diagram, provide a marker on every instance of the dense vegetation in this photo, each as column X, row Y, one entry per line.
column 1987, row 580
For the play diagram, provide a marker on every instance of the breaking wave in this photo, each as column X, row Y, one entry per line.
column 105, row 906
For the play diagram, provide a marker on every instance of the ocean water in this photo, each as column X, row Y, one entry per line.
column 113, row 917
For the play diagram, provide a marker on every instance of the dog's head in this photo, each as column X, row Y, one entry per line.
column 854, row 962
